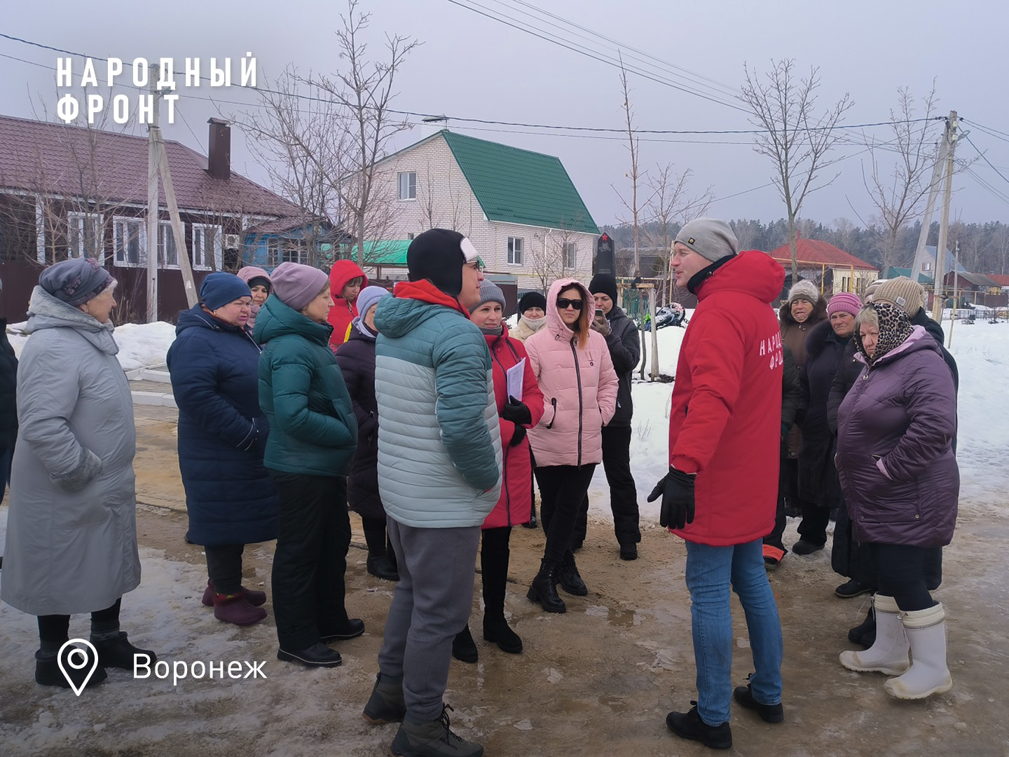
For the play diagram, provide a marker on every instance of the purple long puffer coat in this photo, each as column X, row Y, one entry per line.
column 894, row 457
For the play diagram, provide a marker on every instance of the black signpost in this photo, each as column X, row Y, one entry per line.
column 605, row 262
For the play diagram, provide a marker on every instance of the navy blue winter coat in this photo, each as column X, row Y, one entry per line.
column 222, row 432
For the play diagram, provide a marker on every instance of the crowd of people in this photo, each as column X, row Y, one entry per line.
column 302, row 395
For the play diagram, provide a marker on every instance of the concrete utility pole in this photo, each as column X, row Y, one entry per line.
column 173, row 211
column 933, row 192
column 940, row 249
column 152, row 202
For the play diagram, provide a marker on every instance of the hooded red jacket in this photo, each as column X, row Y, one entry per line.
column 342, row 312
column 725, row 419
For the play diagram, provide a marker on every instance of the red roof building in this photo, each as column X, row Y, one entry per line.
column 831, row 268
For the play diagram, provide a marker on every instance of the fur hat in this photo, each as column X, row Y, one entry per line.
column 438, row 255
column 296, row 285
column 804, row 290
column 77, row 280
column 220, row 288
column 709, row 238
column 844, row 302
column 902, row 292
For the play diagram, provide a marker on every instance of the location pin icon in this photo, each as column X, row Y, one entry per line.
column 78, row 659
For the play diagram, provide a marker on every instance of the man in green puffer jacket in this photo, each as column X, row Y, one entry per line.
column 439, row 474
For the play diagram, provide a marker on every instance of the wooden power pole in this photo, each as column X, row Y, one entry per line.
column 152, row 204
column 940, row 249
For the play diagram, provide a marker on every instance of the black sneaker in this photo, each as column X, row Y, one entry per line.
column 769, row 713
column 852, row 589
column 688, row 725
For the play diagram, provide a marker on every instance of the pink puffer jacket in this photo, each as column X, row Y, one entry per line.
column 579, row 388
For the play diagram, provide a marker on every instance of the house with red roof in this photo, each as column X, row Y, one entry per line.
column 832, row 269
column 73, row 191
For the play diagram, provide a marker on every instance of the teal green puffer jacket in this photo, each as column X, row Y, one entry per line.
column 439, row 444
column 312, row 425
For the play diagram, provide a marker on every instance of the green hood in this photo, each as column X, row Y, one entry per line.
column 276, row 319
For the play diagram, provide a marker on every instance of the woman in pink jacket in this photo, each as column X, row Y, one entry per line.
column 573, row 368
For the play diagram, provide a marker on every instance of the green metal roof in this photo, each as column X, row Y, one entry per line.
column 519, row 186
column 386, row 252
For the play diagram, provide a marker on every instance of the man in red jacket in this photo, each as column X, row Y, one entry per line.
column 724, row 427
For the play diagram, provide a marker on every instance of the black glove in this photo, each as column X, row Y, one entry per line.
column 517, row 436
column 677, row 490
column 517, row 413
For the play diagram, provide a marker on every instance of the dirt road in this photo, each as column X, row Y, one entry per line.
column 598, row 680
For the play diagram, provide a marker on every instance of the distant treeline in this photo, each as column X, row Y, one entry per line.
column 984, row 247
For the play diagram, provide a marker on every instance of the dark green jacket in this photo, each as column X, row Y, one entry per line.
column 312, row 425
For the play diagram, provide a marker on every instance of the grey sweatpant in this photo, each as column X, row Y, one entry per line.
column 431, row 605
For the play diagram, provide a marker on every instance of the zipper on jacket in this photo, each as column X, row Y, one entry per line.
column 553, row 404
column 578, row 379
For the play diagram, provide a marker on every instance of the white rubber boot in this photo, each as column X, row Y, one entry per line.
column 928, row 674
column 888, row 654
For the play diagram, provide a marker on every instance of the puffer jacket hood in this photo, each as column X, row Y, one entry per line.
column 556, row 326
column 277, row 319
column 198, row 318
column 342, row 312
column 250, row 272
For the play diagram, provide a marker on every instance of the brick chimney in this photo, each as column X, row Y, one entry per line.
column 219, row 158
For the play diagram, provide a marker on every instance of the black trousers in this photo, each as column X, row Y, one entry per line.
column 623, row 494
column 563, row 489
column 813, row 526
column 224, row 566
column 901, row 573
column 55, row 629
column 494, row 556
column 848, row 557
column 788, row 486
column 310, row 563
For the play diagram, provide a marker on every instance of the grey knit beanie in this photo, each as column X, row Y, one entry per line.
column 490, row 292
column 709, row 238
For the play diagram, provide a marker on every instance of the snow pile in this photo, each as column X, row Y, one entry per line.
column 141, row 345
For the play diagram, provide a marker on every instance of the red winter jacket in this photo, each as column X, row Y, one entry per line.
column 517, row 482
column 342, row 312
column 725, row 419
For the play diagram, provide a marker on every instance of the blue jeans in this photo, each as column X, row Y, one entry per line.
column 710, row 571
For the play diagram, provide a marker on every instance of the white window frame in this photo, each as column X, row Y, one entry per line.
column 165, row 227
column 78, row 219
column 570, row 255
column 516, row 248
column 199, row 251
column 410, row 193
column 273, row 252
column 122, row 260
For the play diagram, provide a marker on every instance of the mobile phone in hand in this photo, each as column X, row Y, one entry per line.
column 599, row 313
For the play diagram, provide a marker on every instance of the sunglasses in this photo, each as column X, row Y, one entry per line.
column 563, row 303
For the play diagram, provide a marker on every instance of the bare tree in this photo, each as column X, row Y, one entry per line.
column 301, row 138
column 897, row 193
column 634, row 175
column 553, row 254
column 795, row 136
column 365, row 89
column 668, row 208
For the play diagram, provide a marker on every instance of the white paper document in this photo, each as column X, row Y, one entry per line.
column 515, row 376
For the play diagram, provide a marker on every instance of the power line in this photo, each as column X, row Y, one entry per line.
column 607, row 61
column 467, row 119
column 985, row 159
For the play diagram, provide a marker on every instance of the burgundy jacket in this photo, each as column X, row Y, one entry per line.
column 894, row 455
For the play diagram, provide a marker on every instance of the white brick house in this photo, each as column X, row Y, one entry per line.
column 519, row 208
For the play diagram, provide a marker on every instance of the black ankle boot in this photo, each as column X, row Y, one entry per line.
column 380, row 567
column 48, row 673
column 497, row 630
column 865, row 632
column 570, row 579
column 544, row 588
column 463, row 647
column 117, row 652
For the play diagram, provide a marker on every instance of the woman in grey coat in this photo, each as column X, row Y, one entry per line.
column 71, row 531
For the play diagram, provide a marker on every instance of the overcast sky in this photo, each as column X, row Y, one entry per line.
column 470, row 66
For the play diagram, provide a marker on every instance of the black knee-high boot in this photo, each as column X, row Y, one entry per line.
column 379, row 550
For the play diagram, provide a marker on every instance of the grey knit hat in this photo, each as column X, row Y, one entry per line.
column 75, row 281
column 369, row 297
column 804, row 290
column 490, row 292
column 709, row 238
